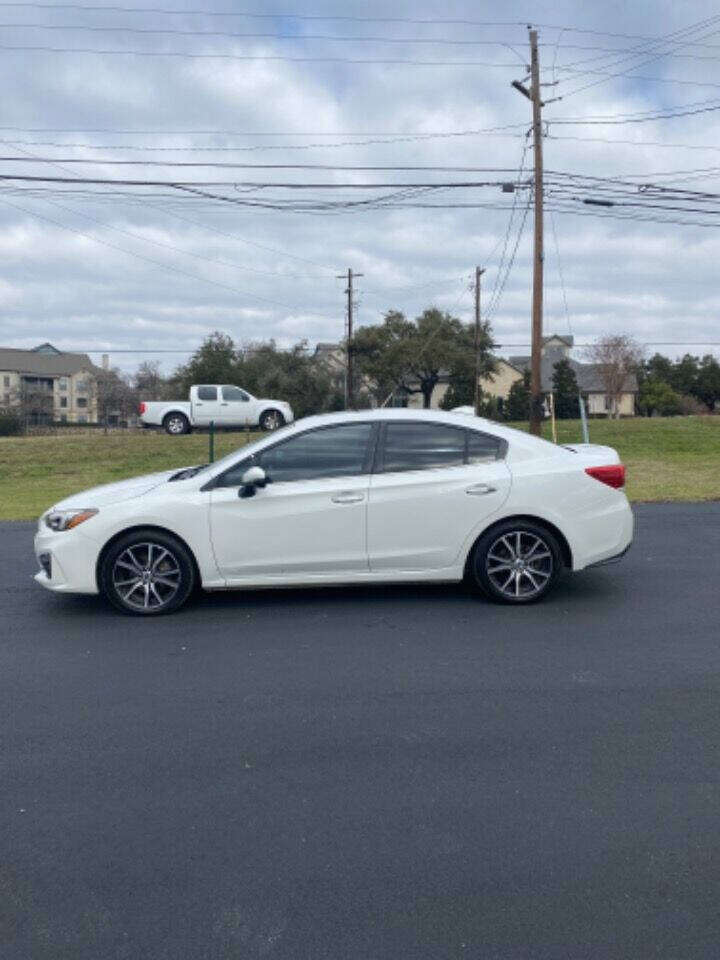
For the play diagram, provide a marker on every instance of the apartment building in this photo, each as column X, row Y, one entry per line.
column 48, row 385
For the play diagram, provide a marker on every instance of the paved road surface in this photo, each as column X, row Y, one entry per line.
column 375, row 774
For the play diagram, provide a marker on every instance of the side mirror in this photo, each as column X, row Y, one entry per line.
column 252, row 479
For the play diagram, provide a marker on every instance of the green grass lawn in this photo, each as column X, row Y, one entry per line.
column 36, row 472
column 668, row 459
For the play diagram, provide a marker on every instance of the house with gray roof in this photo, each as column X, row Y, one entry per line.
column 48, row 385
column 589, row 377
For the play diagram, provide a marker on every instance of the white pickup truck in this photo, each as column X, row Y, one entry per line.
column 223, row 405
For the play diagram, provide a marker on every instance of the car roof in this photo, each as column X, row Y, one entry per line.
column 456, row 418
column 520, row 442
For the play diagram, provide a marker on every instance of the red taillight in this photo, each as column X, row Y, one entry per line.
column 141, row 409
column 613, row 475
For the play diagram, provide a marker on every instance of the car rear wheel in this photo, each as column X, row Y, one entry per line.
column 147, row 573
column 272, row 420
column 176, row 424
column 517, row 562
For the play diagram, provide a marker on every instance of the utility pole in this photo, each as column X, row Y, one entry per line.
column 478, row 392
column 349, row 391
column 533, row 94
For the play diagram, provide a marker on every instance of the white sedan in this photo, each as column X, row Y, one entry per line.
column 368, row 497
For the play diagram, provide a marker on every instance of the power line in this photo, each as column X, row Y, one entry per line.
column 379, row 140
column 262, row 16
column 494, row 306
column 703, row 24
column 156, row 263
column 333, row 38
column 251, row 57
column 226, row 165
column 244, row 240
column 297, row 37
column 637, row 143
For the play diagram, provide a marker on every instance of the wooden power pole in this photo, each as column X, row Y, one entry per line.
column 349, row 391
column 533, row 94
column 478, row 352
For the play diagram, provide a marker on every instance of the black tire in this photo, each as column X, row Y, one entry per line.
column 271, row 420
column 176, row 424
column 516, row 562
column 147, row 573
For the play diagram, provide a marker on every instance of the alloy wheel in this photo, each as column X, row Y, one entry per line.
column 176, row 425
column 146, row 576
column 519, row 565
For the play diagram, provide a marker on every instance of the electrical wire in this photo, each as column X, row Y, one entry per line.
column 268, row 58
column 493, row 309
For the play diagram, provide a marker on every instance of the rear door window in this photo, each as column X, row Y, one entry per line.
column 207, row 393
column 421, row 446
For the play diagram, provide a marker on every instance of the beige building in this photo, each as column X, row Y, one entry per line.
column 588, row 375
column 48, row 385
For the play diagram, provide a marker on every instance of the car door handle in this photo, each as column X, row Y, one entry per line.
column 348, row 497
column 480, row 489
column 224, row 404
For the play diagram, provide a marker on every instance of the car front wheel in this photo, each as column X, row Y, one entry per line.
column 147, row 573
column 517, row 562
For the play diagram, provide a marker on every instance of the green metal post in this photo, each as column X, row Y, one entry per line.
column 211, row 442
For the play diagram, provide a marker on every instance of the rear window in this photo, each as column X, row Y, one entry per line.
column 482, row 447
column 207, row 393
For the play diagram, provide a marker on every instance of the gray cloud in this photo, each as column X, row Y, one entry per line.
column 114, row 269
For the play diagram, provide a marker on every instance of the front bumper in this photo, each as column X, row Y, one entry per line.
column 67, row 561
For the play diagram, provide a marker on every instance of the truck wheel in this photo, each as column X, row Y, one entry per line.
column 176, row 423
column 271, row 420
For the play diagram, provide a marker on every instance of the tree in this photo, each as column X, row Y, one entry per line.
column 657, row 396
column 115, row 397
column 617, row 358
column 517, row 406
column 658, row 367
column 684, row 374
column 213, row 362
column 149, row 383
column 565, row 390
column 460, row 391
column 408, row 355
column 707, row 383
column 290, row 375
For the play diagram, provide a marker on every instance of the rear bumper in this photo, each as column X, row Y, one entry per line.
column 616, row 559
column 605, row 536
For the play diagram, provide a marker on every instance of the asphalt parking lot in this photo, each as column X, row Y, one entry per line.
column 405, row 772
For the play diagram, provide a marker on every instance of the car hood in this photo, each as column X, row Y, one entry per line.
column 115, row 492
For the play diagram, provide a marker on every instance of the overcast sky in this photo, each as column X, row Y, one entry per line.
column 108, row 268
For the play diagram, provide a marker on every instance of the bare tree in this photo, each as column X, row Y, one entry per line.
column 149, row 383
column 115, row 398
column 617, row 358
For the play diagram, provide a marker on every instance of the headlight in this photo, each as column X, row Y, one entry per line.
column 67, row 519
